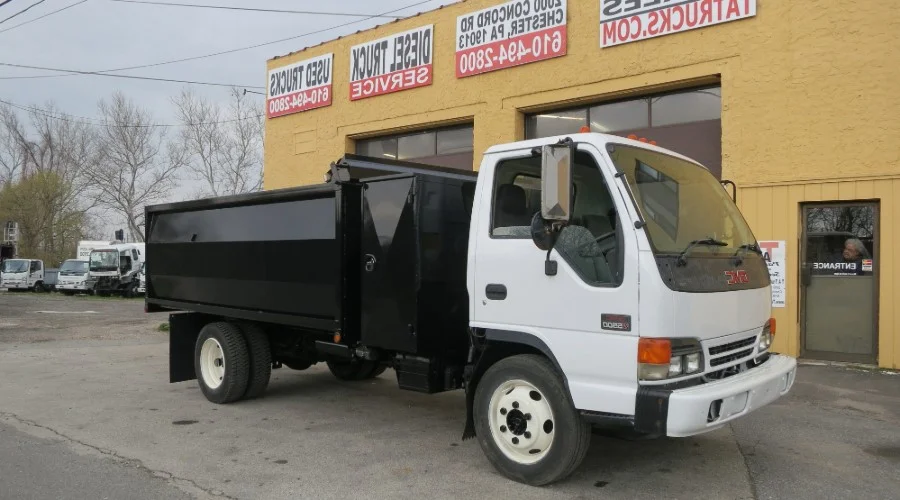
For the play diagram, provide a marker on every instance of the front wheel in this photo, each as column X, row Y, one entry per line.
column 525, row 422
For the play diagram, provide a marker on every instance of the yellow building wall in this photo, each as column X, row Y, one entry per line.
column 809, row 98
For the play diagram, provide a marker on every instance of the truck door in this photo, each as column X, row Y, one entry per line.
column 586, row 314
column 36, row 272
column 389, row 257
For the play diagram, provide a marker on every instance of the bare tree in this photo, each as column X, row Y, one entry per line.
column 136, row 165
column 45, row 186
column 224, row 142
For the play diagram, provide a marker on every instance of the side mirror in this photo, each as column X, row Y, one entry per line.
column 542, row 233
column 556, row 181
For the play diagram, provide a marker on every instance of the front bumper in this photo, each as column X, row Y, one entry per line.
column 736, row 396
column 72, row 286
column 707, row 407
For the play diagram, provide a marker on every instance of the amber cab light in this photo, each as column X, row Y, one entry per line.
column 654, row 351
column 772, row 326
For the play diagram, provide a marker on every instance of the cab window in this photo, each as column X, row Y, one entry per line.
column 590, row 244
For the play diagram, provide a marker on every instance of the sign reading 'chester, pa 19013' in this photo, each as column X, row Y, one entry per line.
column 300, row 86
column 510, row 34
column 398, row 62
column 623, row 21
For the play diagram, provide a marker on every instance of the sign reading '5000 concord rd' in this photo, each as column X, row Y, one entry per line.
column 510, row 34
column 399, row 62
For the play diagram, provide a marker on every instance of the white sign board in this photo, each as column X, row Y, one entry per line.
column 398, row 62
column 623, row 21
column 300, row 86
column 510, row 34
column 776, row 258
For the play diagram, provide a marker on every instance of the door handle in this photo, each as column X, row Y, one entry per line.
column 495, row 291
column 370, row 262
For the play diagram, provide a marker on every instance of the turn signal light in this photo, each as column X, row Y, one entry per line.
column 772, row 326
column 654, row 351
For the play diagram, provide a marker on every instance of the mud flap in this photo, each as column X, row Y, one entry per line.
column 472, row 375
column 184, row 328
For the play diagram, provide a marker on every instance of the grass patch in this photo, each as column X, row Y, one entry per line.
column 163, row 327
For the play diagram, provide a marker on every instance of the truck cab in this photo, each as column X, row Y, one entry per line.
column 631, row 270
column 73, row 277
column 22, row 274
column 113, row 269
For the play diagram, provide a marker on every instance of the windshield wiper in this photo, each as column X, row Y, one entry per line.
column 753, row 247
column 712, row 242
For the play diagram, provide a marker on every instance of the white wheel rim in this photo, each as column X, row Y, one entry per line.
column 521, row 421
column 212, row 363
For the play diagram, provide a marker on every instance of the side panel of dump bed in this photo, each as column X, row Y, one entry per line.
column 259, row 254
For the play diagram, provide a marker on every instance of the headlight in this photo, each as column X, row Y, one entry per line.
column 659, row 359
column 767, row 336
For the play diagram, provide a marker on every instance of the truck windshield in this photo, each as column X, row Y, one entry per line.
column 74, row 267
column 683, row 204
column 104, row 260
column 14, row 266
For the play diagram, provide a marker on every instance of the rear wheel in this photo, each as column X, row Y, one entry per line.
column 525, row 422
column 260, row 360
column 355, row 369
column 222, row 362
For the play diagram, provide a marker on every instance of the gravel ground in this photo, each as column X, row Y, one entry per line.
column 86, row 411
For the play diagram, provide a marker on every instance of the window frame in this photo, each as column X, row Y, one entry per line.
column 597, row 158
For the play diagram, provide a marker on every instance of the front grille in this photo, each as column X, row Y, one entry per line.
column 737, row 344
column 730, row 357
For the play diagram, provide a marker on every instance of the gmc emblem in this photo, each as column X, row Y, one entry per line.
column 735, row 277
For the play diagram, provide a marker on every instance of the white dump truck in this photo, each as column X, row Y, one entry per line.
column 573, row 281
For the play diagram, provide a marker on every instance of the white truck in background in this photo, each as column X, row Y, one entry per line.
column 22, row 274
column 113, row 269
column 73, row 277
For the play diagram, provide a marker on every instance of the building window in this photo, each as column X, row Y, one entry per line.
column 688, row 122
column 447, row 147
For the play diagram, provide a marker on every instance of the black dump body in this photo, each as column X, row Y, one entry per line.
column 377, row 254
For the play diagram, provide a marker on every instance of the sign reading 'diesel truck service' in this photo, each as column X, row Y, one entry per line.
column 623, row 21
column 510, row 34
column 391, row 64
column 300, row 86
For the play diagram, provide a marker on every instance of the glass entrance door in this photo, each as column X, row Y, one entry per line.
column 839, row 275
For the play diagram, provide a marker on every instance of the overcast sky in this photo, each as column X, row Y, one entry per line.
column 103, row 34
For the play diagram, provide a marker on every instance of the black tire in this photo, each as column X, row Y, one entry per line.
column 68, row 293
column 38, row 287
column 236, row 362
column 260, row 360
column 354, row 370
column 573, row 434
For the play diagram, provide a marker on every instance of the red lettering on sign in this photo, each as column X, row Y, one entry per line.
column 391, row 82
column 733, row 9
column 524, row 49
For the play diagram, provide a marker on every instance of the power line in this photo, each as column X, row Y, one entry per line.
column 23, row 10
column 223, row 7
column 132, row 77
column 230, row 51
column 41, row 17
column 97, row 122
column 4, row 2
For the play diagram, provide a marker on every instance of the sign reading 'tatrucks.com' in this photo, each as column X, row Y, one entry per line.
column 300, row 86
column 510, row 34
column 623, row 21
column 398, row 62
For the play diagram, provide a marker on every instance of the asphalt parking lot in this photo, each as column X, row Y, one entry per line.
column 86, row 411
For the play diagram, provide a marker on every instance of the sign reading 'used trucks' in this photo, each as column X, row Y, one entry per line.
column 510, row 34
column 398, row 62
column 623, row 21
column 300, row 86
